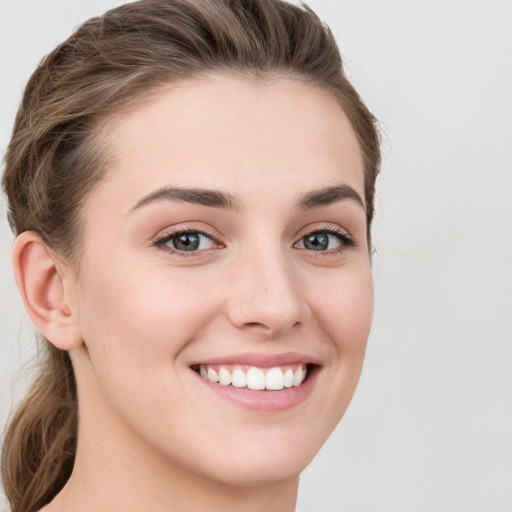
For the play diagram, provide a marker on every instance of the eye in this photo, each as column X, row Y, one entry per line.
column 186, row 241
column 325, row 240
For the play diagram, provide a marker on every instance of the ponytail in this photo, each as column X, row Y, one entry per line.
column 40, row 443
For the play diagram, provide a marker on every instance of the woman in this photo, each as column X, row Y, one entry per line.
column 192, row 186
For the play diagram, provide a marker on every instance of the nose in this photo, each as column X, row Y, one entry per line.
column 266, row 296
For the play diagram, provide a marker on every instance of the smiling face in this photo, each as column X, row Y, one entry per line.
column 228, row 241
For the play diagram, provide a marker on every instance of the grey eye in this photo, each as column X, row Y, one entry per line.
column 319, row 241
column 191, row 241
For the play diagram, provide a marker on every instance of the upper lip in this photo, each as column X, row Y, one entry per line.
column 260, row 359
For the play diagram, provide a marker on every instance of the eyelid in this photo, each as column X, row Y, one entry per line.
column 323, row 226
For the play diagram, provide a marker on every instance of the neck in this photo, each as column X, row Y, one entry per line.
column 115, row 495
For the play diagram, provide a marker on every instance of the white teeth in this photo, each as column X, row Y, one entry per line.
column 288, row 378
column 224, row 377
column 239, row 380
column 255, row 378
column 299, row 376
column 212, row 375
column 274, row 379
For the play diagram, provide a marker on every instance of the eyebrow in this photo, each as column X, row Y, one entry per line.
column 329, row 195
column 219, row 199
column 205, row 197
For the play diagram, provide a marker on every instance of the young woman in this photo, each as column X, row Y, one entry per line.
column 192, row 186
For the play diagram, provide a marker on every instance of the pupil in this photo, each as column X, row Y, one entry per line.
column 186, row 242
column 317, row 242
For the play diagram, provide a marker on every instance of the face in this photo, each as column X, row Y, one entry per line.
column 227, row 242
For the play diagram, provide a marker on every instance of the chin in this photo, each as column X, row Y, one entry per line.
column 260, row 472
column 268, row 458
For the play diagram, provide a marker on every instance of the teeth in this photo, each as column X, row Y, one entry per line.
column 212, row 375
column 255, row 378
column 239, row 379
column 299, row 376
column 273, row 379
column 224, row 377
column 288, row 378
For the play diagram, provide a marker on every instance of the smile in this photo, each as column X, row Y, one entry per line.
column 262, row 383
column 253, row 377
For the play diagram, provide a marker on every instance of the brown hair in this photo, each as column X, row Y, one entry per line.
column 55, row 157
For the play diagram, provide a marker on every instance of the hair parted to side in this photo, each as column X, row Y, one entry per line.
column 56, row 156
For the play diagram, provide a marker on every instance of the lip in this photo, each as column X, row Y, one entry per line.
column 263, row 400
column 260, row 360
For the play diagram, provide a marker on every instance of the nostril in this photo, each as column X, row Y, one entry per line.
column 256, row 326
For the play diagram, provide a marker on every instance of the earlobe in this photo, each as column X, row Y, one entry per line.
column 42, row 286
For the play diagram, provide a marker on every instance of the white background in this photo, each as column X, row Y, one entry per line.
column 430, row 427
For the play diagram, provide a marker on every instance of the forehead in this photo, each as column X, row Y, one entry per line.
column 234, row 134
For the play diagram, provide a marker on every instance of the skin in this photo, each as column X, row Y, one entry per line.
column 152, row 436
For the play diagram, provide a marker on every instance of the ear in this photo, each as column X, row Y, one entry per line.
column 44, row 284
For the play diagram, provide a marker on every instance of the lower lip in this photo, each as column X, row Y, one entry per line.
column 264, row 400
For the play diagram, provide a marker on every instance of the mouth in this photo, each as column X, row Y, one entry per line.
column 261, row 383
column 275, row 378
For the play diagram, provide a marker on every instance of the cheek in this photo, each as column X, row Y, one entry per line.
column 344, row 310
column 345, row 306
column 135, row 318
column 135, row 325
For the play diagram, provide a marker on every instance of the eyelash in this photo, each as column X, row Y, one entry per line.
column 345, row 240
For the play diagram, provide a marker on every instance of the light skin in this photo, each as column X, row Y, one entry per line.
column 268, row 178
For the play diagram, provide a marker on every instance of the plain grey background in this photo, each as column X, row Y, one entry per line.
column 430, row 426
